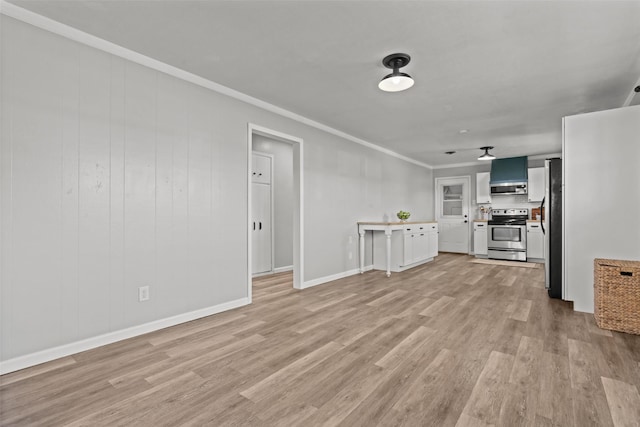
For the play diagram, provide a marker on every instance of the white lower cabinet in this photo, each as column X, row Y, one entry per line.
column 535, row 241
column 432, row 240
column 480, row 239
column 410, row 246
column 416, row 248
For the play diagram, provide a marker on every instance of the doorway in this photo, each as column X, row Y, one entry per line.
column 257, row 162
column 452, row 213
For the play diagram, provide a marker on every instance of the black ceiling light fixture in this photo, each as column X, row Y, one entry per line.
column 486, row 155
column 396, row 81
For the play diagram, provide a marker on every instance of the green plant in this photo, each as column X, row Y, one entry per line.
column 403, row 215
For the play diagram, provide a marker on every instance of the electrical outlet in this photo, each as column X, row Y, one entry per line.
column 143, row 293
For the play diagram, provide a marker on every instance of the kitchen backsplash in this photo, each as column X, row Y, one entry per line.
column 505, row 202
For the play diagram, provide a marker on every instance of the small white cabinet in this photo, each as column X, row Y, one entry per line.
column 535, row 187
column 535, row 241
column 483, row 188
column 261, row 169
column 480, row 238
column 415, row 248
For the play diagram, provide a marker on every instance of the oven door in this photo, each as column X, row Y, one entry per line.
column 507, row 237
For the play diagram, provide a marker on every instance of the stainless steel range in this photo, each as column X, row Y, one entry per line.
column 508, row 234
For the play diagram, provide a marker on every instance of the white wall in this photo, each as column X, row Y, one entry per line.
column 115, row 176
column 601, row 196
column 282, row 187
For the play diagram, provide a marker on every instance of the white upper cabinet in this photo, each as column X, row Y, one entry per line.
column 261, row 169
column 483, row 189
column 536, row 184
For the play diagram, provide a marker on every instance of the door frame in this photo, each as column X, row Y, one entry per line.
column 272, row 209
column 467, row 178
column 298, row 202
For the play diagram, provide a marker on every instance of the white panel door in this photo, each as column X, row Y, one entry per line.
column 261, row 228
column 452, row 204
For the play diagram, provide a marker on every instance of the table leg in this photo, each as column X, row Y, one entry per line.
column 388, row 234
column 361, row 232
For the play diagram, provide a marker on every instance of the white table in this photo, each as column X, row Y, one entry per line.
column 387, row 228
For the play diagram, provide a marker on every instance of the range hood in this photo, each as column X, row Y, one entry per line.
column 509, row 176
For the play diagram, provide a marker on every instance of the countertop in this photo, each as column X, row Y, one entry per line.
column 396, row 223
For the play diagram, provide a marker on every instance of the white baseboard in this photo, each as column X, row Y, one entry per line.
column 283, row 269
column 47, row 355
column 331, row 278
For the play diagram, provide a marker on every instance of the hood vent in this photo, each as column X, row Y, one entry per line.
column 509, row 176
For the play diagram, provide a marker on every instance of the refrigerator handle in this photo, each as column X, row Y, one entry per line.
column 541, row 219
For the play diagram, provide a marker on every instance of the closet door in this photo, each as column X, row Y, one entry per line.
column 261, row 228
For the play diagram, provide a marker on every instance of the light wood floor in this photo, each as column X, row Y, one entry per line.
column 447, row 343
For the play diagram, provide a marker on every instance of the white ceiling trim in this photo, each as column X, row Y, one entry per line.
column 76, row 35
column 484, row 162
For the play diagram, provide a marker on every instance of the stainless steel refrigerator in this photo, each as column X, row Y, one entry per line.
column 552, row 226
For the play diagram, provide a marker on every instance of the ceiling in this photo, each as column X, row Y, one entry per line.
column 506, row 71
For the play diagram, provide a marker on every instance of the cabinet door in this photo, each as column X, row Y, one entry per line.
column 261, row 166
column 407, row 254
column 432, row 238
column 535, row 187
column 483, row 189
column 535, row 241
column 480, row 239
column 261, row 228
column 420, row 247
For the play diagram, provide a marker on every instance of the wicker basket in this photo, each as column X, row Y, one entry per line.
column 617, row 295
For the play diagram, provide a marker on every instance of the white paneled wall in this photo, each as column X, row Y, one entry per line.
column 111, row 180
column 115, row 176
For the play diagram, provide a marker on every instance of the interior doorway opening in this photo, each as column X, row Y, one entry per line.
column 275, row 206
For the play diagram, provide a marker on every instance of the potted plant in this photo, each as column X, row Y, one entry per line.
column 403, row 215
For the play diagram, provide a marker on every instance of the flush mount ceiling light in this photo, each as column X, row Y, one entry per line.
column 486, row 155
column 396, row 81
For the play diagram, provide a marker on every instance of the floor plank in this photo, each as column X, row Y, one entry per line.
column 447, row 343
column 624, row 402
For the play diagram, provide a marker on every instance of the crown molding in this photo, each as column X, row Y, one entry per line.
column 76, row 35
column 484, row 162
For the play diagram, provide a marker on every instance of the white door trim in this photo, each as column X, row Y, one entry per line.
column 468, row 204
column 298, row 202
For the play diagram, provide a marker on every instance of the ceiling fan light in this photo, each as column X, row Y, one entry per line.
column 396, row 82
